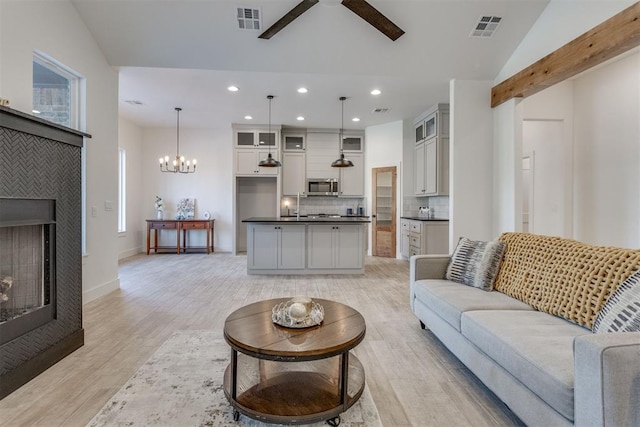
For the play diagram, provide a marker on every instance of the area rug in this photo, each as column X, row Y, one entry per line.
column 181, row 385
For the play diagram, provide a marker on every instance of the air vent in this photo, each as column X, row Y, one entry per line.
column 249, row 18
column 380, row 110
column 133, row 102
column 485, row 27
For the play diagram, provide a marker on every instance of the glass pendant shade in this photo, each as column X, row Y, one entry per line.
column 269, row 162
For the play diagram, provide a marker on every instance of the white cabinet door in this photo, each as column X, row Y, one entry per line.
column 431, row 166
column 293, row 173
column 352, row 179
column 291, row 247
column 262, row 244
column 320, row 246
column 247, row 162
column 418, row 169
column 348, row 246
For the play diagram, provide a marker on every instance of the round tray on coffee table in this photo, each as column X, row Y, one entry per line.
column 293, row 375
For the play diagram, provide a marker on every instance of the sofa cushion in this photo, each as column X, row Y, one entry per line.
column 621, row 313
column 563, row 277
column 534, row 347
column 475, row 263
column 449, row 299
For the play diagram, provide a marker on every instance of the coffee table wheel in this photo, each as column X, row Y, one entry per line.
column 236, row 415
column 334, row 422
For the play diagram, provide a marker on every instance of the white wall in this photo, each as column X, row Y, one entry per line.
column 55, row 28
column 507, row 165
column 471, row 161
column 211, row 185
column 130, row 139
column 607, row 154
column 383, row 148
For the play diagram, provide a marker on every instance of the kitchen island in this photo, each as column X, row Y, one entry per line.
column 306, row 245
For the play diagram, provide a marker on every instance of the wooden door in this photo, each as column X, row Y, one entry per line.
column 383, row 221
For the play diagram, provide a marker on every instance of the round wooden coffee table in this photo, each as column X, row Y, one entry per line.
column 293, row 376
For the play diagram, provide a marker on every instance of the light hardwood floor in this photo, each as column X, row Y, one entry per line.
column 413, row 379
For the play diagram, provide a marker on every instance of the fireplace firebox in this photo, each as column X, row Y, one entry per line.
column 27, row 266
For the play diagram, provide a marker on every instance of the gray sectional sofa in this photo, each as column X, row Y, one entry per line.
column 549, row 370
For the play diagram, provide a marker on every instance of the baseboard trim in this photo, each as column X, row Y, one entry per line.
column 130, row 252
column 99, row 291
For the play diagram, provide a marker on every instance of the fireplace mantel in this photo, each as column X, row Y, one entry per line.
column 42, row 160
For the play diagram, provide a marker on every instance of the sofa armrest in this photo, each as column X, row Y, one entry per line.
column 607, row 379
column 426, row 267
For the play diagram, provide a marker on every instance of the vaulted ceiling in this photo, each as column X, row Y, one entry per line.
column 187, row 52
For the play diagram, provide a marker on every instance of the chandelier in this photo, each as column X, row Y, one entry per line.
column 179, row 164
column 342, row 162
column 269, row 162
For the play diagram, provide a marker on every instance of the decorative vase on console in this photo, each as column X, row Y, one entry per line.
column 159, row 205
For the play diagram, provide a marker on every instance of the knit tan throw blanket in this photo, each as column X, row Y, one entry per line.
column 563, row 277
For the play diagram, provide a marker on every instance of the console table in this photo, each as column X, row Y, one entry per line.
column 178, row 225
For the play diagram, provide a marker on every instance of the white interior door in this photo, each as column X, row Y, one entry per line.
column 549, row 202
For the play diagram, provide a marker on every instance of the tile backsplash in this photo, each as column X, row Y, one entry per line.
column 439, row 205
column 324, row 205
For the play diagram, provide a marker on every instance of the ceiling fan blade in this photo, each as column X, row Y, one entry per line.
column 300, row 8
column 370, row 14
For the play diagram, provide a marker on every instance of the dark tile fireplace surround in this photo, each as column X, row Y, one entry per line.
column 40, row 246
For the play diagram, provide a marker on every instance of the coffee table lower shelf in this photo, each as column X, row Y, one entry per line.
column 298, row 397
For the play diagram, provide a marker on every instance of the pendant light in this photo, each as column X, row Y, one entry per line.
column 342, row 162
column 179, row 165
column 269, row 162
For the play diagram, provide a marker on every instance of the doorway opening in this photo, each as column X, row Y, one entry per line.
column 383, row 220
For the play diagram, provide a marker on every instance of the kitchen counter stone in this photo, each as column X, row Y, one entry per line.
column 418, row 218
column 305, row 220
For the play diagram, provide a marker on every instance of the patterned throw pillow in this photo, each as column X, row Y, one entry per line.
column 475, row 263
column 621, row 312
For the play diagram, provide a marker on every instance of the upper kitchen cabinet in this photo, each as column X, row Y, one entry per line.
column 256, row 136
column 431, row 156
column 433, row 122
column 293, row 140
column 322, row 149
column 246, row 162
column 293, row 173
column 353, row 141
column 352, row 178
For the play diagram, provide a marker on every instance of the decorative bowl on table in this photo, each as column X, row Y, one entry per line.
column 298, row 313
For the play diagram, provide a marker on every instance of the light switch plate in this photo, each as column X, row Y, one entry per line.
column 94, row 211
column 108, row 205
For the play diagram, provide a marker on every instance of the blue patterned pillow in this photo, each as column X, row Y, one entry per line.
column 621, row 312
column 475, row 263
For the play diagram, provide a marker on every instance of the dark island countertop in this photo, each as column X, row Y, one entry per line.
column 419, row 218
column 311, row 219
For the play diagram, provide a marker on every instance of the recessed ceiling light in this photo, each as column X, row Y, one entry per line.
column 35, row 111
column 299, row 118
column 232, row 89
column 248, row 117
column 303, row 90
column 376, row 92
column 355, row 119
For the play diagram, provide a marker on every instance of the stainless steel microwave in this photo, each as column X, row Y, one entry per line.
column 322, row 187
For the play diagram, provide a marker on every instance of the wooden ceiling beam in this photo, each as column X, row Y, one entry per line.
column 609, row 39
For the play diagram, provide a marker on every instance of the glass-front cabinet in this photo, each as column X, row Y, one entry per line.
column 293, row 141
column 353, row 142
column 256, row 138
